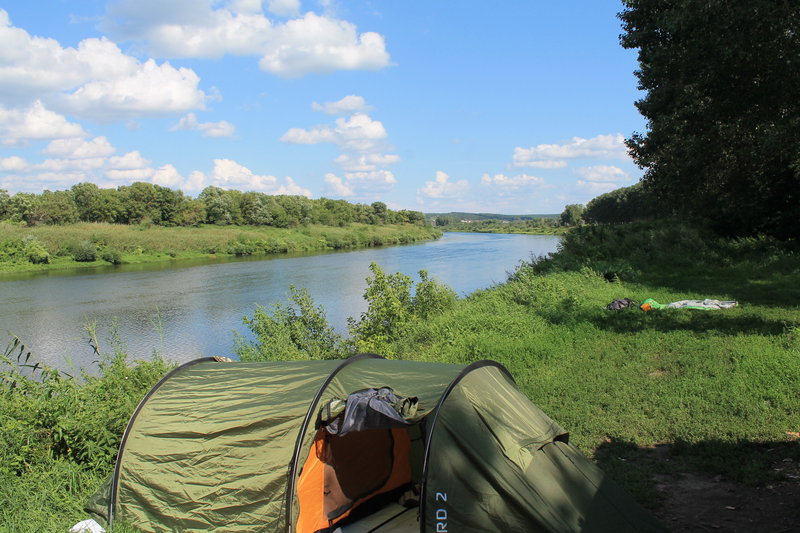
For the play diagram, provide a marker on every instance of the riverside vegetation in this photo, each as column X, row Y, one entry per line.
column 143, row 222
column 717, row 389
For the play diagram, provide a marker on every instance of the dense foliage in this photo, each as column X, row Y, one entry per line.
column 723, row 116
column 626, row 204
column 300, row 330
column 143, row 202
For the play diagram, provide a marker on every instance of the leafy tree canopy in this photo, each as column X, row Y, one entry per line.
column 722, row 81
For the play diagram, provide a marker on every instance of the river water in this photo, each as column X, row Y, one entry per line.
column 192, row 310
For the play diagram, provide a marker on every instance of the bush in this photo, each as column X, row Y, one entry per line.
column 299, row 330
column 85, row 252
column 112, row 255
column 36, row 252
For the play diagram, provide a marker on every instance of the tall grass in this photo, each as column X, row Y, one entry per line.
column 59, row 434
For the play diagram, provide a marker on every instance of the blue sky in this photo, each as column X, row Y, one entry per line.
column 511, row 107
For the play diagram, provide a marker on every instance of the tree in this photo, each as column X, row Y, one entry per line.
column 54, row 208
column 723, row 116
column 572, row 215
column 219, row 206
column 625, row 204
column 4, row 198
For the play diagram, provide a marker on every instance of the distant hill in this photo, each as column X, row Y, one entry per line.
column 487, row 216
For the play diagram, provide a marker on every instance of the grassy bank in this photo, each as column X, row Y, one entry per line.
column 716, row 391
column 94, row 244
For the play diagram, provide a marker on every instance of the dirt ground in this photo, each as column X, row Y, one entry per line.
column 696, row 503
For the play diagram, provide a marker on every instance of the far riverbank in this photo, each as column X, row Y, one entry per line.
column 91, row 245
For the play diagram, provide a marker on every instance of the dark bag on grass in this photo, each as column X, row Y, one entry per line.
column 619, row 304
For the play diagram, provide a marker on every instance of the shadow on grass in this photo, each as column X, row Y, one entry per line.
column 756, row 287
column 748, row 463
column 720, row 322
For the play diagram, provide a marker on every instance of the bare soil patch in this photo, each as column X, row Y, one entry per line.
column 697, row 503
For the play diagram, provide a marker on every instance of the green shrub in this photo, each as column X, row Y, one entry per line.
column 85, row 252
column 112, row 255
column 299, row 330
column 12, row 250
column 35, row 251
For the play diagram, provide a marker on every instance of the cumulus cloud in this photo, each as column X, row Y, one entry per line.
column 223, row 128
column 359, row 183
column 603, row 173
column 13, row 164
column 365, row 162
column 129, row 161
column 442, row 187
column 148, row 90
column 228, row 174
column 511, row 184
column 78, row 148
column 359, row 133
column 167, row 176
column 307, row 44
column 17, row 126
column 362, row 141
column 337, row 187
column 554, row 155
column 95, row 79
column 348, row 105
column 321, row 45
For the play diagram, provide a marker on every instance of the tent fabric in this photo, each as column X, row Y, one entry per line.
column 498, row 463
column 213, row 443
column 220, row 446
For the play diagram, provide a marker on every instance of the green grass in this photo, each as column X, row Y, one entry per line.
column 719, row 388
column 146, row 244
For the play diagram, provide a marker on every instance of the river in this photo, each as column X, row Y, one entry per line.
column 189, row 311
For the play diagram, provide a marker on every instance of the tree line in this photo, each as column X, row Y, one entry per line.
column 147, row 203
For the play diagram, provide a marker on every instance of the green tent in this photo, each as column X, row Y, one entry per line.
column 364, row 444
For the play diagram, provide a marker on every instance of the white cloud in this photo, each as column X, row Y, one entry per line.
column 358, row 183
column 506, row 184
column 359, row 133
column 284, row 8
column 365, row 162
column 540, row 164
column 130, row 161
column 167, row 176
column 94, row 79
column 35, row 123
column 150, row 90
column 77, row 148
column 308, row 44
column 318, row 44
column 553, row 155
column 337, row 187
column 13, row 164
column 373, row 179
column 603, row 173
column 442, row 187
column 130, row 175
column 348, row 105
column 223, row 128
column 595, row 187
column 229, row 174
column 65, row 165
